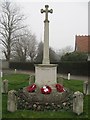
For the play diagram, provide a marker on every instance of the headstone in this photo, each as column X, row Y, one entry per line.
column 69, row 76
column 86, row 89
column 78, row 102
column 5, row 86
column 12, row 101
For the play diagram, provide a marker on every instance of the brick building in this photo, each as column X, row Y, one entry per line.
column 82, row 44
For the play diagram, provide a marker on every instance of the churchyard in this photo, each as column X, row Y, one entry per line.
column 18, row 81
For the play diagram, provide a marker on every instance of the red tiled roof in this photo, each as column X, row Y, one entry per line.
column 82, row 44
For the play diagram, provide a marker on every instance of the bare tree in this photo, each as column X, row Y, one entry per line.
column 10, row 24
column 25, row 47
column 32, row 47
column 20, row 50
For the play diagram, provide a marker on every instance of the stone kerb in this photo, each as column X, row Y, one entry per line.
column 78, row 102
column 5, row 86
column 12, row 101
column 86, row 89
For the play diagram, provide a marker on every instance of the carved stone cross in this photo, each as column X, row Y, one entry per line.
column 46, row 59
column 46, row 11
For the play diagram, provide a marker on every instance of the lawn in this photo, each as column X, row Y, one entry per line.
column 17, row 81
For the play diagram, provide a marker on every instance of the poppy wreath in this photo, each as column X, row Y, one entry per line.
column 46, row 89
column 60, row 88
column 31, row 88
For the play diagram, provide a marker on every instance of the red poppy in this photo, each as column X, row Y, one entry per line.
column 60, row 88
column 31, row 88
column 46, row 90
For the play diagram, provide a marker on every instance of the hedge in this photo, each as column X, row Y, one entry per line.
column 22, row 66
column 75, row 68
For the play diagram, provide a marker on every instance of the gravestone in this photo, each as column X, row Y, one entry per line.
column 46, row 73
column 78, row 102
column 12, row 101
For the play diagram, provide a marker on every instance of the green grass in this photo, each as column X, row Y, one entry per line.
column 74, row 85
column 17, row 81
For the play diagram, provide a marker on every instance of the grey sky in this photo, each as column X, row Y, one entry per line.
column 67, row 20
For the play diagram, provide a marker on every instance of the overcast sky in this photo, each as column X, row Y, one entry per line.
column 68, row 19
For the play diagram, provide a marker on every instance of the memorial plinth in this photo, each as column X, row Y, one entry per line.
column 45, row 74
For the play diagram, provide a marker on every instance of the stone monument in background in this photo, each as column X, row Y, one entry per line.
column 46, row 73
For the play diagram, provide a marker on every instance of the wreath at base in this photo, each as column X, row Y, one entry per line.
column 60, row 88
column 46, row 89
column 31, row 88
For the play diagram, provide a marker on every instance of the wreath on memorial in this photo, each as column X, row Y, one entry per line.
column 46, row 89
column 60, row 88
column 31, row 88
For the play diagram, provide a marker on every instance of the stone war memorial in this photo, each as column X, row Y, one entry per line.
column 45, row 88
column 45, row 93
column 46, row 73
